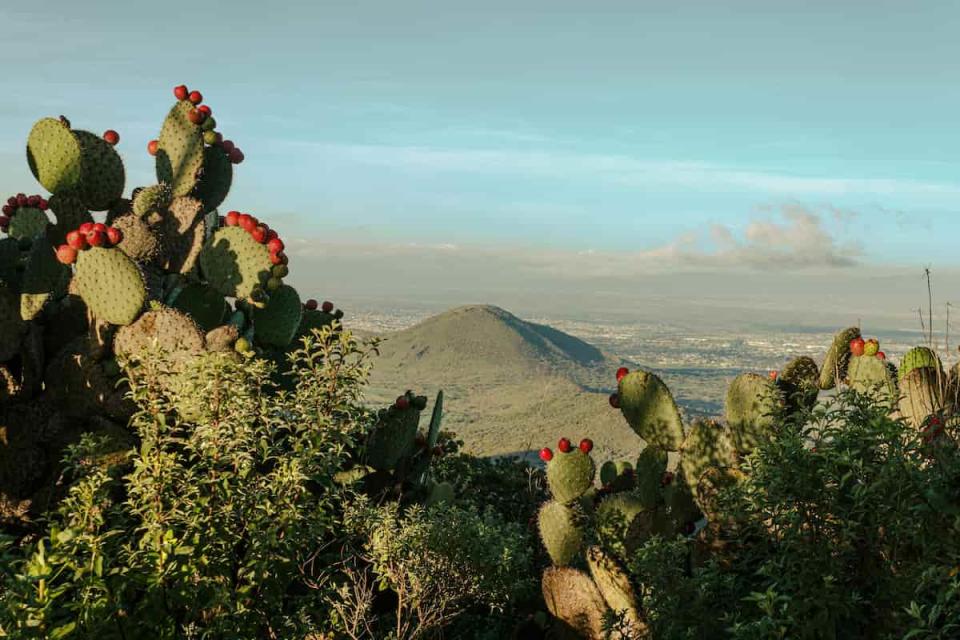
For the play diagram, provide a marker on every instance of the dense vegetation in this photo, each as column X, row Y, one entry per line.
column 186, row 452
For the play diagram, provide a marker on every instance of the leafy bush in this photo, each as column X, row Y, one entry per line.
column 437, row 562
column 219, row 528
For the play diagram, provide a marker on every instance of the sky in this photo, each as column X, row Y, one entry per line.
column 592, row 141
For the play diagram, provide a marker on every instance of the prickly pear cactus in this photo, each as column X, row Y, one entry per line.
column 751, row 409
column 276, row 324
column 800, row 381
column 650, row 410
column 709, row 445
column 393, row 438
column 180, row 150
column 111, row 285
column 561, row 531
column 835, row 363
column 916, row 358
column 570, row 473
column 870, row 375
column 234, row 263
column 921, row 394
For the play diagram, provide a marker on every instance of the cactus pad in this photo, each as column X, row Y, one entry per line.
column 313, row 319
column 617, row 525
column 222, row 338
column 70, row 212
column 837, row 357
column 141, row 242
column 916, row 358
column 570, row 475
column 28, row 222
column 153, row 198
column 393, row 438
column 649, row 408
column 870, row 375
column 709, row 445
column 183, row 232
column 170, row 330
column 921, row 395
column 614, row 585
column 10, row 262
column 12, row 325
column 277, row 323
column 572, row 597
column 102, row 174
column 800, row 381
column 561, row 532
column 234, row 263
column 45, row 277
column 217, row 176
column 651, row 465
column 202, row 303
column 55, row 155
column 111, row 285
column 752, row 406
column 179, row 150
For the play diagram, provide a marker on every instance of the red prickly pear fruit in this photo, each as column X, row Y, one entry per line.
column 96, row 238
column 271, row 234
column 4, row 222
column 76, row 240
column 615, row 400
column 881, row 355
column 857, row 345
column 245, row 221
column 279, row 258
column 195, row 116
column 401, row 402
column 227, row 145
column 33, row 201
column 275, row 245
column 42, row 205
column 181, row 92
column 114, row 235
column 666, row 478
column 232, row 218
column 586, row 445
column 259, row 234
column 195, row 97
column 85, row 228
column 236, row 156
column 12, row 201
column 621, row 372
column 311, row 304
column 205, row 110
column 21, row 199
column 564, row 445
column 327, row 306
column 546, row 454
column 152, row 147
column 111, row 137
column 99, row 226
column 66, row 254
column 773, row 375
column 7, row 210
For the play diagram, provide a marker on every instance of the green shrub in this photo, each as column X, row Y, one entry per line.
column 215, row 529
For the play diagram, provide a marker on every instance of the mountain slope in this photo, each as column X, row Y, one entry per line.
column 511, row 386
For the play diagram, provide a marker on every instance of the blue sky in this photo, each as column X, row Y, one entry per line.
column 714, row 134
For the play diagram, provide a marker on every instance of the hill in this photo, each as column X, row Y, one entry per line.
column 511, row 386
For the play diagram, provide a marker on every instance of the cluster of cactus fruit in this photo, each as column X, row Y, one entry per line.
column 160, row 269
column 673, row 487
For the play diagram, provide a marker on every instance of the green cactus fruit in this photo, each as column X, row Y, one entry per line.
column 111, row 285
column 217, row 177
column 921, row 395
column 28, row 222
column 561, row 532
column 835, row 362
column 573, row 598
column 441, row 493
column 708, row 445
column 752, row 406
column 393, row 438
column 10, row 263
column 277, row 324
column 614, row 585
column 222, row 338
column 55, row 155
column 153, row 198
column 649, row 408
column 12, row 326
column 870, row 375
column 180, row 153
column 102, row 173
column 172, row 331
column 44, row 278
column 615, row 522
column 651, row 465
column 234, row 263
column 800, row 381
column 916, row 358
column 202, row 303
column 570, row 474
column 70, row 212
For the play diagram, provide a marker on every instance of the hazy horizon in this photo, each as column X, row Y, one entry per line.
column 693, row 163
